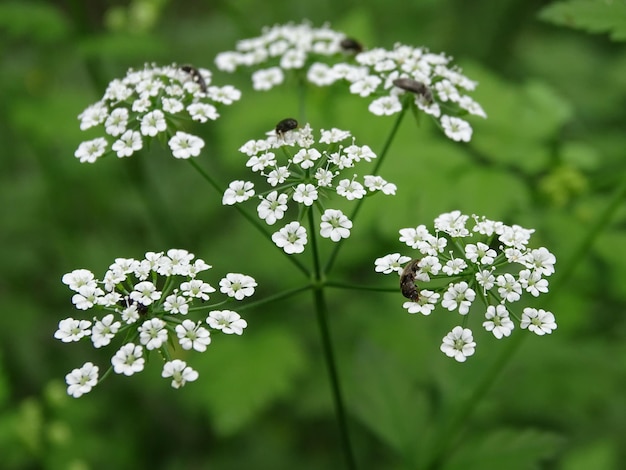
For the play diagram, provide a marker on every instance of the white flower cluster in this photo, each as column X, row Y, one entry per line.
column 145, row 103
column 147, row 303
column 436, row 88
column 488, row 260
column 280, row 48
column 307, row 177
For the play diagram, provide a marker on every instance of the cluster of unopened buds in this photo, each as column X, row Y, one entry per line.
column 310, row 175
column 150, row 303
column 469, row 258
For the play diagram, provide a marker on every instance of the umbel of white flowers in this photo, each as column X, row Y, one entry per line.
column 314, row 170
column 468, row 259
column 151, row 303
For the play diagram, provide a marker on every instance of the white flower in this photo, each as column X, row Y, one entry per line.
column 260, row 162
column 532, row 282
column 278, row 175
column 498, row 321
column 306, row 157
column 509, row 288
column 145, row 293
column 185, row 145
column 539, row 321
column 197, row 288
column 390, row 263
column 87, row 297
column 335, row 225
column 237, row 285
column 81, row 381
column 365, row 86
column 227, row 321
column 454, row 266
column 321, row 74
column 128, row 143
column 272, row 207
column 413, row 236
column 78, row 278
column 93, row 115
column 152, row 333
column 291, row 238
column 486, row 279
column 425, row 304
column 104, row 330
column 192, row 335
column 71, row 330
column 305, row 194
column 429, row 266
column 128, row 360
column 541, row 260
column 453, row 223
column 459, row 344
column 267, row 78
column 479, row 253
column 385, row 106
column 333, row 135
column 376, row 183
column 180, row 373
column 350, row 189
column 458, row 296
column 153, row 122
column 175, row 303
column 226, row 94
column 202, row 112
column 116, row 123
column 90, row 150
column 238, row 191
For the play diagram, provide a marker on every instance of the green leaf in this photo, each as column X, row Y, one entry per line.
column 593, row 16
column 388, row 401
column 247, row 376
column 505, row 448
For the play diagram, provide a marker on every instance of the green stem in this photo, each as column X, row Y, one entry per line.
column 449, row 431
column 321, row 310
column 594, row 231
column 272, row 298
column 253, row 220
column 379, row 161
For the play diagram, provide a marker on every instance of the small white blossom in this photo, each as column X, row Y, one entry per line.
column 227, row 321
column 390, row 263
column 185, row 145
column 291, row 238
column 71, row 330
column 152, row 333
column 498, row 321
column 458, row 296
column 237, row 285
column 459, row 344
column 335, row 225
column 104, row 330
column 180, row 373
column 193, row 336
column 539, row 321
column 238, row 191
column 128, row 360
column 81, row 381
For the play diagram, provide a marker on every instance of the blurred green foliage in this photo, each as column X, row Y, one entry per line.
column 550, row 157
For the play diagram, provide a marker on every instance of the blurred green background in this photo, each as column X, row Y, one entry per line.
column 550, row 157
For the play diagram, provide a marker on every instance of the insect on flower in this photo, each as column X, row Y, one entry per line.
column 351, row 45
column 285, row 125
column 416, row 87
column 407, row 281
column 196, row 76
